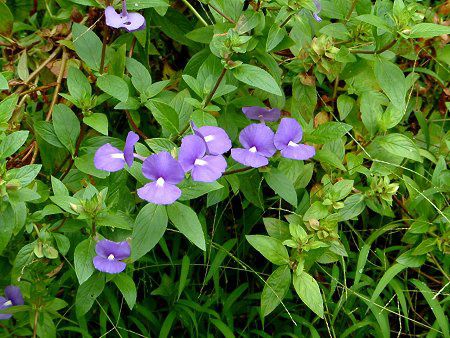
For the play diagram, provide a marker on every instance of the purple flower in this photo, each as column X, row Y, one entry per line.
column 130, row 21
column 261, row 113
column 257, row 140
column 110, row 255
column 109, row 158
column 318, row 9
column 13, row 297
column 165, row 172
column 192, row 157
column 287, row 137
column 217, row 140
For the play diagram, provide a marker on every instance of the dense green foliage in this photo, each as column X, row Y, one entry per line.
column 352, row 242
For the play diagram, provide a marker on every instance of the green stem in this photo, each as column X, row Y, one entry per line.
column 350, row 12
column 226, row 17
column 194, row 11
column 379, row 51
column 237, row 171
column 213, row 91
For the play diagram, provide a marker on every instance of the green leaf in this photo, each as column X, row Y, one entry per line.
column 276, row 287
column 127, row 287
column 271, row 248
column 12, row 143
column 47, row 132
column 375, row 21
column 88, row 292
column 275, row 36
column 97, row 121
column 140, row 77
column 281, row 185
column 25, row 175
column 3, row 85
column 316, row 211
column 309, row 292
column 6, row 20
column 141, row 4
column 78, row 85
column 345, row 105
column 183, row 274
column 114, row 86
column 85, row 164
column 7, row 107
column 392, row 81
column 66, row 125
column 353, row 206
column 434, row 305
column 277, row 228
column 191, row 189
column 325, row 156
column 22, row 67
column 83, row 256
column 148, row 229
column 371, row 110
column 7, row 224
column 328, row 132
column 257, row 77
column 166, row 116
column 87, row 45
column 428, row 30
column 399, row 145
column 161, row 144
column 185, row 219
column 223, row 328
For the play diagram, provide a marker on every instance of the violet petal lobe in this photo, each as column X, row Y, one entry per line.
column 120, row 250
column 262, row 113
column 13, row 294
column 135, row 22
column 249, row 158
column 289, row 130
column 159, row 192
column 128, row 150
column 4, row 304
column 259, row 136
column 209, row 169
column 109, row 158
column 298, row 151
column 114, row 19
column 110, row 266
column 217, row 140
column 192, row 148
column 163, row 165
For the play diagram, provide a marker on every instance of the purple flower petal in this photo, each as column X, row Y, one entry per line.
column 114, row 19
column 209, row 169
column 298, row 151
column 159, row 192
column 109, row 158
column 261, row 113
column 111, row 266
column 163, row 165
column 4, row 304
column 120, row 250
column 128, row 151
column 13, row 294
column 289, row 130
column 259, row 138
column 319, row 8
column 249, row 158
column 192, row 148
column 217, row 140
column 135, row 22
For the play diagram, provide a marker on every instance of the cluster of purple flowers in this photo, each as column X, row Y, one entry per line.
column 13, row 297
column 201, row 154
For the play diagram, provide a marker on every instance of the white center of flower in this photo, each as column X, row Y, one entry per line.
column 200, row 162
column 7, row 303
column 292, row 144
column 160, row 182
column 208, row 138
column 252, row 149
column 111, row 257
column 117, row 155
